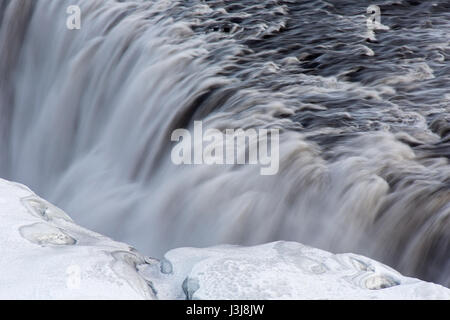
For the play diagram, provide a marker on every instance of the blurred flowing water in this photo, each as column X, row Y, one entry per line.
column 86, row 117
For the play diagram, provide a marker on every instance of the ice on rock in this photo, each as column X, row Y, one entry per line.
column 44, row 234
column 71, row 262
column 66, row 260
column 44, row 209
column 286, row 270
column 377, row 282
column 126, row 265
column 190, row 286
column 166, row 266
column 360, row 265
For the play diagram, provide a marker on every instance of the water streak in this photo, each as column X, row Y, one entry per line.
column 86, row 118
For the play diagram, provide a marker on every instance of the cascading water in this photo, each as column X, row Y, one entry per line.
column 86, row 117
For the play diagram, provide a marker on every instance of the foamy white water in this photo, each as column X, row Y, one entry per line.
column 86, row 118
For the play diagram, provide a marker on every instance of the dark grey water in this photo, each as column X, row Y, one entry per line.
column 86, row 118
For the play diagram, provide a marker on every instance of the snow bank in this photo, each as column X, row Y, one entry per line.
column 45, row 255
column 284, row 270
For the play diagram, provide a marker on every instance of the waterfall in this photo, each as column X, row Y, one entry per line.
column 86, row 118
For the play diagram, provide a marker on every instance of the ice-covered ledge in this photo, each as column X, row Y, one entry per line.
column 45, row 255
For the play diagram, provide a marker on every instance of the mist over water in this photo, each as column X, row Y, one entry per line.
column 86, row 118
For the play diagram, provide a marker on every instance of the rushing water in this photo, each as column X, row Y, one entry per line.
column 86, row 117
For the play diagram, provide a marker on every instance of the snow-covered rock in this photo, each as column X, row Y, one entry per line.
column 284, row 270
column 45, row 255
